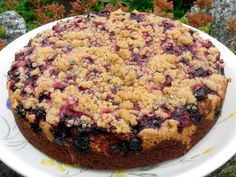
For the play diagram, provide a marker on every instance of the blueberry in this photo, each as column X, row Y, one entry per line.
column 201, row 93
column 59, row 140
column 82, row 143
column 168, row 81
column 194, row 114
column 150, row 122
column 136, row 57
column 182, row 116
column 41, row 113
column 20, row 111
column 119, row 148
column 134, row 144
column 218, row 111
column 89, row 59
column 104, row 13
column 167, row 25
column 200, row 72
column 137, row 17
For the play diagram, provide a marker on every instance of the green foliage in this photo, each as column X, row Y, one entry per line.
column 230, row 175
column 181, row 7
column 206, row 28
column 23, row 8
column 183, row 20
column 2, row 32
column 142, row 6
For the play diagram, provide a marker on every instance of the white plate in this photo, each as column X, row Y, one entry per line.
column 211, row 152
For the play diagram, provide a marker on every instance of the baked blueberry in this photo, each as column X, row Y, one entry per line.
column 194, row 114
column 150, row 122
column 41, row 113
column 201, row 93
column 138, row 17
column 119, row 148
column 59, row 140
column 43, row 96
column 82, row 143
column 35, row 127
column 134, row 144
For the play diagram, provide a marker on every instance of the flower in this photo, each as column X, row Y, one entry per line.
column 232, row 25
column 199, row 19
column 203, row 3
column 2, row 44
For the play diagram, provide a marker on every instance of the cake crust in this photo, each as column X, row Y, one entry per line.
column 116, row 90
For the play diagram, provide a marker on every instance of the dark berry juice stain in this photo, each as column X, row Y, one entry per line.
column 119, row 148
column 35, row 127
column 43, row 96
column 41, row 114
column 20, row 111
column 59, row 85
column 182, row 117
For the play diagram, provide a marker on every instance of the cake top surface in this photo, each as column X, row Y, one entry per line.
column 114, row 71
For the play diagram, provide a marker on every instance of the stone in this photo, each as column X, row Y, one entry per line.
column 222, row 11
column 13, row 24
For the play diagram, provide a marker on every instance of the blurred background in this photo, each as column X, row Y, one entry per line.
column 215, row 17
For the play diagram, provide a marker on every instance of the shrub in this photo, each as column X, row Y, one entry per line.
column 163, row 8
column 2, row 44
column 49, row 12
column 2, row 32
column 198, row 19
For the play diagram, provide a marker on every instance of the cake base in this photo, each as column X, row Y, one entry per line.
column 166, row 150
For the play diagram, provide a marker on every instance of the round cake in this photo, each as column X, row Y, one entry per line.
column 116, row 90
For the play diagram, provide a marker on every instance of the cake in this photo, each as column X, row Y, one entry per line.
column 116, row 90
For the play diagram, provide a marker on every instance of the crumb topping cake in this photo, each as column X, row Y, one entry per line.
column 107, row 89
